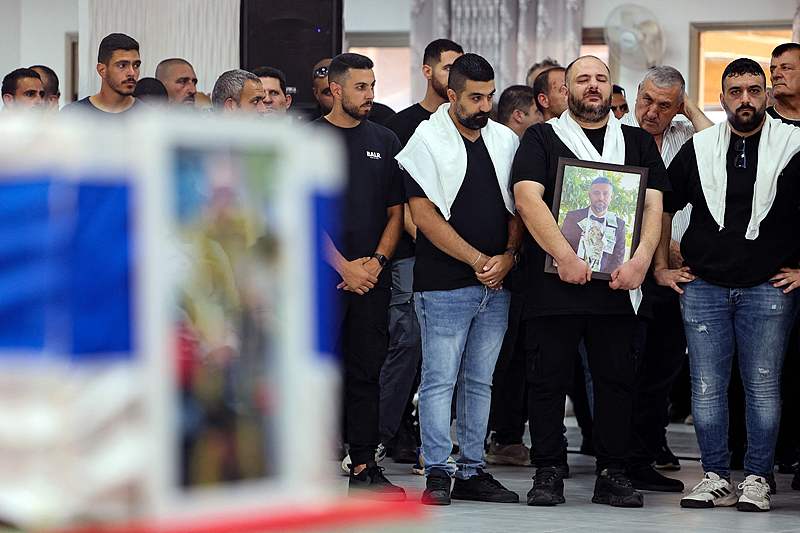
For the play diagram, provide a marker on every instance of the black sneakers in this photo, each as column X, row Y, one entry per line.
column 548, row 487
column 437, row 488
column 666, row 460
column 647, row 478
column 370, row 483
column 482, row 488
column 796, row 479
column 614, row 488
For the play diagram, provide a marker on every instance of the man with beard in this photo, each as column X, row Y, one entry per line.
column 179, row 79
column 400, row 369
column 741, row 179
column 659, row 99
column 566, row 308
column 379, row 113
column 550, row 93
column 580, row 223
column 457, row 167
column 359, row 252
column 118, row 66
column 239, row 91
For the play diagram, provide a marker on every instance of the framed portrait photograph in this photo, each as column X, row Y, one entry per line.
column 598, row 207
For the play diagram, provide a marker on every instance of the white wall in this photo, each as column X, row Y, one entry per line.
column 675, row 16
column 43, row 39
column 9, row 29
column 377, row 15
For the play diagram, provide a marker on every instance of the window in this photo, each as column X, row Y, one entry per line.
column 392, row 57
column 716, row 45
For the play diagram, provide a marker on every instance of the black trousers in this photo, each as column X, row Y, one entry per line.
column 552, row 344
column 363, row 343
column 509, row 392
column 659, row 363
column 788, row 448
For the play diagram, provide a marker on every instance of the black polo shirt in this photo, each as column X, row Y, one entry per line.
column 478, row 215
column 374, row 183
column 537, row 160
column 723, row 256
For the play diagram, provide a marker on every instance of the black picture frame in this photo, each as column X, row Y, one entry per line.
column 598, row 248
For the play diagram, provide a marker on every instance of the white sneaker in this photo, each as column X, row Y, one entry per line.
column 755, row 494
column 713, row 491
column 380, row 455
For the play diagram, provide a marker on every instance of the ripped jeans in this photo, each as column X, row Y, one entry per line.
column 753, row 322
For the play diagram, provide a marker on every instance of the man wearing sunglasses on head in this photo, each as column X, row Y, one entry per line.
column 737, row 292
column 379, row 113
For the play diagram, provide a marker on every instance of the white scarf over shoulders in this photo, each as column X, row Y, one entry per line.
column 573, row 136
column 436, row 158
column 778, row 144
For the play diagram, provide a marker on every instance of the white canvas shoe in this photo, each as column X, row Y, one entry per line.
column 755, row 494
column 713, row 491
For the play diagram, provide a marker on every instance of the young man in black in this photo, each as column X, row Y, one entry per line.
column 400, row 369
column 457, row 167
column 568, row 307
column 118, row 66
column 370, row 228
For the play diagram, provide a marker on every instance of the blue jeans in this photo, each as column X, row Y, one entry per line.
column 462, row 331
column 753, row 322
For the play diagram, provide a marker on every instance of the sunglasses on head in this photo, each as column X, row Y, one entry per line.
column 321, row 72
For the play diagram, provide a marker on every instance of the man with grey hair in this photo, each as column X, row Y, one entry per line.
column 660, row 98
column 179, row 79
column 239, row 91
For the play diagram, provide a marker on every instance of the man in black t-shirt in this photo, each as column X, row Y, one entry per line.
column 737, row 290
column 359, row 252
column 399, row 372
column 568, row 307
column 457, row 166
column 118, row 66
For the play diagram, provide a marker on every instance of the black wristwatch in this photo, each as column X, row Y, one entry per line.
column 514, row 253
column 382, row 259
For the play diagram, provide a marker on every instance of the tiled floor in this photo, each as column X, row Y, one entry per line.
column 660, row 513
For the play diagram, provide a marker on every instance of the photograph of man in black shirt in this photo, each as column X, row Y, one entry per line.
column 370, row 228
column 737, row 286
column 570, row 306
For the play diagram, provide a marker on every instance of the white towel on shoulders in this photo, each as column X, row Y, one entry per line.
column 436, row 158
column 573, row 136
column 778, row 144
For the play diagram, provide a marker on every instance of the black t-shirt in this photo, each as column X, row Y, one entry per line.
column 774, row 114
column 86, row 105
column 537, row 160
column 478, row 215
column 403, row 124
column 723, row 256
column 374, row 183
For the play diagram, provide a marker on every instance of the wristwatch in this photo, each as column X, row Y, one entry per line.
column 382, row 259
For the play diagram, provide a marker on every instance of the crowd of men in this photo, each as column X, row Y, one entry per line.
column 447, row 312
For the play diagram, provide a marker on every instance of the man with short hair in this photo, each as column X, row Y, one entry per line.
column 118, row 65
column 550, row 93
column 239, row 91
column 580, row 225
column 274, row 82
column 23, row 90
column 737, row 290
column 783, row 70
column 50, row 83
column 661, row 96
column 619, row 106
column 359, row 253
column 516, row 108
column 179, row 79
column 399, row 372
column 571, row 307
column 457, row 165
column 379, row 113
column 538, row 68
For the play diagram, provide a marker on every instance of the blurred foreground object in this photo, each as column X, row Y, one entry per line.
column 165, row 350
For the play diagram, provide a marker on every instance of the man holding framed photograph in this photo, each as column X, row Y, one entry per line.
column 570, row 306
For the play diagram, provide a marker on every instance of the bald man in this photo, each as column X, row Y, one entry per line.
column 179, row 78
column 571, row 307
